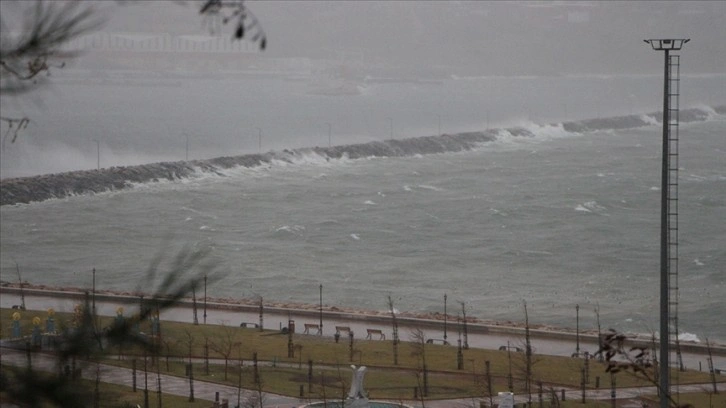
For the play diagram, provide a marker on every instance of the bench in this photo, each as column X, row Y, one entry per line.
column 339, row 329
column 309, row 326
column 371, row 332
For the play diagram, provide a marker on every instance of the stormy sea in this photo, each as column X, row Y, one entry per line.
column 413, row 190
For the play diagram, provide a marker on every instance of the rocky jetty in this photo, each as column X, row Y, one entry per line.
column 60, row 185
column 39, row 188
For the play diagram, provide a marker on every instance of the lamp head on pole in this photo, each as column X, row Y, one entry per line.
column 670, row 44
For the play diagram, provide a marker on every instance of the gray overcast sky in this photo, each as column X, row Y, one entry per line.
column 474, row 38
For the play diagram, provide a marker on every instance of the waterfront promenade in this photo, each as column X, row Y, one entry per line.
column 479, row 336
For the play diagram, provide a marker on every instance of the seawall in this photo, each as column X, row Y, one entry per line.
column 474, row 325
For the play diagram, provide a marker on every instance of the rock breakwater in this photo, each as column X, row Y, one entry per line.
column 60, row 185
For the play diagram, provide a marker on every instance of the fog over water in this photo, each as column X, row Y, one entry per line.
column 371, row 70
column 556, row 219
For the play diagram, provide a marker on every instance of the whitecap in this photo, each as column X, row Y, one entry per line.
column 293, row 229
column 497, row 212
column 534, row 252
column 581, row 208
column 593, row 206
column 355, row 237
column 369, row 202
column 200, row 213
column 407, row 188
column 382, row 194
column 698, row 262
column 427, row 187
column 654, row 188
column 649, row 120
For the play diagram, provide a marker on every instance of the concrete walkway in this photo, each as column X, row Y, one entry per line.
column 479, row 336
column 207, row 391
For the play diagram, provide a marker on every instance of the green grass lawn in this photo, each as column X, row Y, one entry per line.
column 331, row 360
column 704, row 399
column 118, row 396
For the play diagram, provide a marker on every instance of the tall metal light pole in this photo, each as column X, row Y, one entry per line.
column 321, row 310
column 330, row 129
column 187, row 147
column 205, row 299
column 93, row 297
column 666, row 45
column 445, row 317
column 577, row 330
column 98, row 154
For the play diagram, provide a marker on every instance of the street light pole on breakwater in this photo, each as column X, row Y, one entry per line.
column 98, row 154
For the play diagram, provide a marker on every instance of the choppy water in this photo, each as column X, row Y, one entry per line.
column 557, row 220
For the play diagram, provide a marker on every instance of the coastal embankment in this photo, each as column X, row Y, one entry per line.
column 61, row 185
column 364, row 318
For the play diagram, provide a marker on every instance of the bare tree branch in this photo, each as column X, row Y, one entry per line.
column 224, row 12
column 15, row 125
column 49, row 25
column 635, row 360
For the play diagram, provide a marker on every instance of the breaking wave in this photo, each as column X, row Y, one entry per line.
column 61, row 185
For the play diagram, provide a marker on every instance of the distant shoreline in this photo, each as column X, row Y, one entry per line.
column 425, row 320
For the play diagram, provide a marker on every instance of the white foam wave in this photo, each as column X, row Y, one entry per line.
column 200, row 213
column 650, row 120
column 688, row 337
column 551, row 131
column 581, row 208
column 293, row 229
column 536, row 133
column 369, row 202
column 590, row 206
column 698, row 262
column 711, row 113
column 428, row 187
column 241, row 171
column 497, row 212
column 355, row 237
